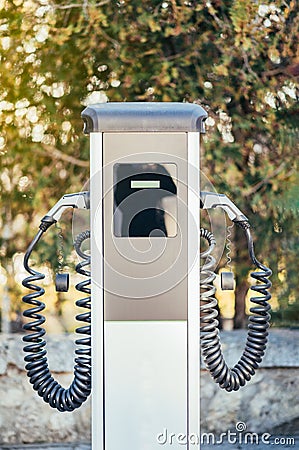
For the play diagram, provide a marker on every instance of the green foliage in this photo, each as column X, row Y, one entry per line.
column 236, row 58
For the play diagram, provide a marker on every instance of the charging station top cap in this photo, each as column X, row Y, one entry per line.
column 144, row 116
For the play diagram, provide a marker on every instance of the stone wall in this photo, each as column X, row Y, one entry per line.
column 24, row 417
column 268, row 403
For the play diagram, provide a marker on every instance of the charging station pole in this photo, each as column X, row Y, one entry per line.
column 145, row 274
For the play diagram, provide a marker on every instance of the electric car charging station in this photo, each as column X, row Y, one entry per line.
column 150, row 285
column 144, row 205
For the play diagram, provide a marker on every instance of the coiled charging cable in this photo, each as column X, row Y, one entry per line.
column 231, row 379
column 36, row 360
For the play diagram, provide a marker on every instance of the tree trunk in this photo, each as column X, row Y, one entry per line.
column 242, row 286
column 5, row 316
column 240, row 319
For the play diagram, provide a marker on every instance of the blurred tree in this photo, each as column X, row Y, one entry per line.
column 239, row 59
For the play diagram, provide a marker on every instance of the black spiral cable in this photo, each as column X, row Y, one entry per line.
column 36, row 360
column 231, row 379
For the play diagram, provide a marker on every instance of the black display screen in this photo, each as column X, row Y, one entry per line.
column 145, row 200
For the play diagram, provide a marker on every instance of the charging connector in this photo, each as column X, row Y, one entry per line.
column 210, row 200
column 78, row 200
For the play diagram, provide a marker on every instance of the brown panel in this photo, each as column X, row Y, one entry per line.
column 145, row 278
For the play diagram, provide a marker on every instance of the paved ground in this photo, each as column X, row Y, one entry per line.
column 274, row 442
column 47, row 447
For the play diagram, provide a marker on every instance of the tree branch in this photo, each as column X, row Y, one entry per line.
column 247, row 65
column 291, row 70
column 79, row 5
column 266, row 180
column 54, row 153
